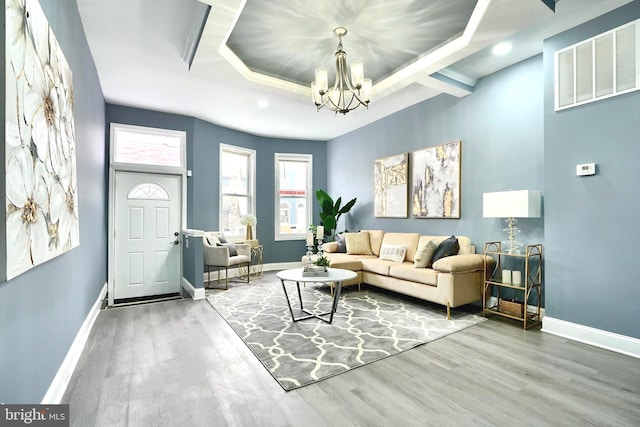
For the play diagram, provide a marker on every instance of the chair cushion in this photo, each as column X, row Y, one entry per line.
column 233, row 251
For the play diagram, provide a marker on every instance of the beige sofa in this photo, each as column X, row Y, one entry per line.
column 451, row 281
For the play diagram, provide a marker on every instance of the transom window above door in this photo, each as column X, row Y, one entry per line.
column 147, row 146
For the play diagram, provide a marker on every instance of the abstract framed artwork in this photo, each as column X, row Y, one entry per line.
column 40, row 153
column 436, row 181
column 391, row 178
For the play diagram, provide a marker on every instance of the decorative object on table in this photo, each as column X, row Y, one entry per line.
column 436, row 181
column 331, row 212
column 41, row 194
column 512, row 205
column 511, row 307
column 301, row 353
column 516, row 278
column 506, row 276
column 249, row 221
column 390, row 186
column 346, row 94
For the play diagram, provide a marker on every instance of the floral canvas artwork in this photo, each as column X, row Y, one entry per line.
column 436, row 182
column 40, row 154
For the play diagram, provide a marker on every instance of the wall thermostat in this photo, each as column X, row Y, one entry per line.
column 586, row 169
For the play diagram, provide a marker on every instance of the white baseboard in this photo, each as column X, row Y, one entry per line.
column 597, row 337
column 196, row 293
column 61, row 380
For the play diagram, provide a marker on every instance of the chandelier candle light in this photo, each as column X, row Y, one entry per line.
column 346, row 94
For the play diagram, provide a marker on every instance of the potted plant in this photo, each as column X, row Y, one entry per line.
column 332, row 211
column 322, row 261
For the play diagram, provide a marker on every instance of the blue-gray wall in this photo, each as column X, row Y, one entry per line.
column 501, row 129
column 42, row 310
column 203, row 159
column 592, row 224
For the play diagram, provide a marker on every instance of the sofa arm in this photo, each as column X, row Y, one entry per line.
column 330, row 247
column 461, row 263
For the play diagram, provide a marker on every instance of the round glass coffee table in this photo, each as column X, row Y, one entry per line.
column 335, row 275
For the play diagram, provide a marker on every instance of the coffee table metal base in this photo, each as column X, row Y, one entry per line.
column 311, row 314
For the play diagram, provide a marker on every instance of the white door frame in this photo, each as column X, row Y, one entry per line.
column 150, row 169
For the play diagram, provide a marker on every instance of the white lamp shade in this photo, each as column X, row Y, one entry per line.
column 322, row 79
column 366, row 90
column 357, row 73
column 516, row 204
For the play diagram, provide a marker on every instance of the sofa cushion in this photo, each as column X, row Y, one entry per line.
column 377, row 265
column 424, row 254
column 446, row 248
column 344, row 261
column 393, row 253
column 406, row 271
column 408, row 240
column 358, row 243
column 330, row 247
column 342, row 245
column 375, row 237
column 462, row 263
column 463, row 241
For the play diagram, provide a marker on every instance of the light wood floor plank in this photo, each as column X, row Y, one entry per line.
column 179, row 363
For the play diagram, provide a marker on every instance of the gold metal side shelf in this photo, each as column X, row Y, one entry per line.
column 526, row 308
column 255, row 268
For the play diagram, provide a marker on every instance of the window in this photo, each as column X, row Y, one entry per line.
column 148, row 146
column 237, row 187
column 293, row 196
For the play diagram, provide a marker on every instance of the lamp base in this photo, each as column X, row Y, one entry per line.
column 511, row 246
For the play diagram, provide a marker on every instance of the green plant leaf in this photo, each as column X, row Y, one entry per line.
column 346, row 208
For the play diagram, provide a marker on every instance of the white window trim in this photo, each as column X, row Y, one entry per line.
column 144, row 167
column 251, row 178
column 292, row 157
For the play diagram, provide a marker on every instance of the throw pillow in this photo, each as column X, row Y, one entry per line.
column 424, row 255
column 212, row 240
column 393, row 253
column 446, row 248
column 342, row 245
column 222, row 238
column 358, row 243
column 233, row 251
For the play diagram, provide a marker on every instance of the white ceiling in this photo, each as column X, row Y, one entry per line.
column 266, row 51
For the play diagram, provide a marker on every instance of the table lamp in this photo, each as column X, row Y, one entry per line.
column 512, row 205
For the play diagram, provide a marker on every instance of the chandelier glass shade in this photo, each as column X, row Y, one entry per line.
column 346, row 94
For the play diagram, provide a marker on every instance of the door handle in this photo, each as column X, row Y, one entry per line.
column 176, row 242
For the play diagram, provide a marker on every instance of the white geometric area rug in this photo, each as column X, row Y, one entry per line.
column 369, row 325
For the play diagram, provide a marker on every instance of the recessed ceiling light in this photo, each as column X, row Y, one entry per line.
column 263, row 103
column 502, row 48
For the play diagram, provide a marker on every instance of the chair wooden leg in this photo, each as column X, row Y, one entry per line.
column 226, row 277
column 248, row 271
column 208, row 276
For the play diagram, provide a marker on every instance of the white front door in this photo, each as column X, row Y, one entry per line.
column 147, row 225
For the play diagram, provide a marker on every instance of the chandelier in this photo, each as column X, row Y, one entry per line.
column 346, row 94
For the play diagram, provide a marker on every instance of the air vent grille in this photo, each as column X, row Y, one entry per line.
column 603, row 66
